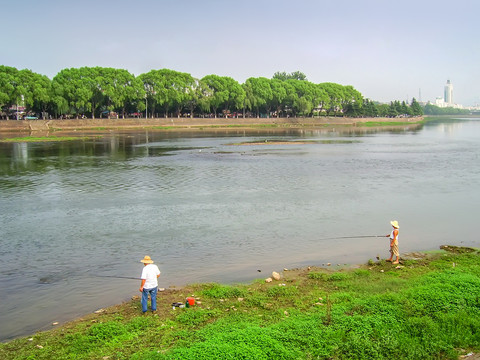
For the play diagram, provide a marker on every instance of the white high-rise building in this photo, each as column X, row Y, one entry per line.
column 448, row 93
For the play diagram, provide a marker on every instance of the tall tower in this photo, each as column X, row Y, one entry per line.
column 448, row 93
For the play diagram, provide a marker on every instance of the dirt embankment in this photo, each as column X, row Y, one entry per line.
column 47, row 125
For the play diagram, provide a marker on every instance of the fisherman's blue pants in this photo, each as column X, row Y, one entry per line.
column 153, row 297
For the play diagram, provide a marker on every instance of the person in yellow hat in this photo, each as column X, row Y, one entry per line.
column 149, row 286
column 394, row 242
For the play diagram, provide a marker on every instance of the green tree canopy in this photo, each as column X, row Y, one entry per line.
column 258, row 93
column 96, row 90
column 120, row 89
column 335, row 95
column 25, row 88
column 73, row 91
column 416, row 109
column 225, row 93
column 10, row 90
column 169, row 89
column 296, row 75
column 279, row 94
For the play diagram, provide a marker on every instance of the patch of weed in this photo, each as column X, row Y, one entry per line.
column 218, row 291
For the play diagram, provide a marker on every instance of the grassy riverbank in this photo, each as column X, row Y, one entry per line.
column 426, row 308
column 198, row 123
column 82, row 129
column 44, row 138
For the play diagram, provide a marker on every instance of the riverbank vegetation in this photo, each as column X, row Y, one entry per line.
column 97, row 92
column 426, row 308
column 68, row 128
column 44, row 138
column 430, row 109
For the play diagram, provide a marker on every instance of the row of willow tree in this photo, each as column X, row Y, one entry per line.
column 98, row 92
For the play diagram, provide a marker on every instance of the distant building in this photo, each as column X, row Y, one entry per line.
column 440, row 102
column 447, row 99
column 448, row 93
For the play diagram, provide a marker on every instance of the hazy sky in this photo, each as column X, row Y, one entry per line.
column 387, row 49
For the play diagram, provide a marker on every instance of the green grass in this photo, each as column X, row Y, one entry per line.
column 101, row 128
column 427, row 309
column 44, row 138
column 388, row 123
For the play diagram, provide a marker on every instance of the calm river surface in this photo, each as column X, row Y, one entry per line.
column 206, row 209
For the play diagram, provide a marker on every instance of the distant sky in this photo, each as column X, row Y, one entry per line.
column 387, row 49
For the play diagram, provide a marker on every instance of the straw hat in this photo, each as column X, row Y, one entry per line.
column 395, row 224
column 147, row 260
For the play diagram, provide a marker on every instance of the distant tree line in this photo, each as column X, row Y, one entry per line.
column 104, row 92
column 436, row 110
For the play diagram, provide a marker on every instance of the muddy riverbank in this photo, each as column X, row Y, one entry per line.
column 182, row 123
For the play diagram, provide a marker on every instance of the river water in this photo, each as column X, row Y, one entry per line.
column 207, row 208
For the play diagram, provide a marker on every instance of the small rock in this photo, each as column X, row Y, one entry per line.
column 285, row 269
column 40, row 346
column 55, row 323
column 31, row 339
column 399, row 267
column 328, row 264
column 99, row 311
column 199, row 303
column 268, row 280
column 321, row 299
column 381, row 271
column 240, row 299
column 161, row 289
column 275, row 275
column 286, row 313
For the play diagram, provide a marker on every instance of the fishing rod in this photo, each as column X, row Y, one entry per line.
column 52, row 279
column 353, row 237
column 117, row 277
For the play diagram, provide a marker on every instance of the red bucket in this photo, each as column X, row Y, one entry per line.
column 190, row 301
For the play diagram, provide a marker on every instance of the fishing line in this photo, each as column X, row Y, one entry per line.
column 353, row 237
column 116, row 277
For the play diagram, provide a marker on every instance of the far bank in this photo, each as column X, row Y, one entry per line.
column 182, row 123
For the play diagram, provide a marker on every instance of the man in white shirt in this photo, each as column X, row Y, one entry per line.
column 149, row 286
